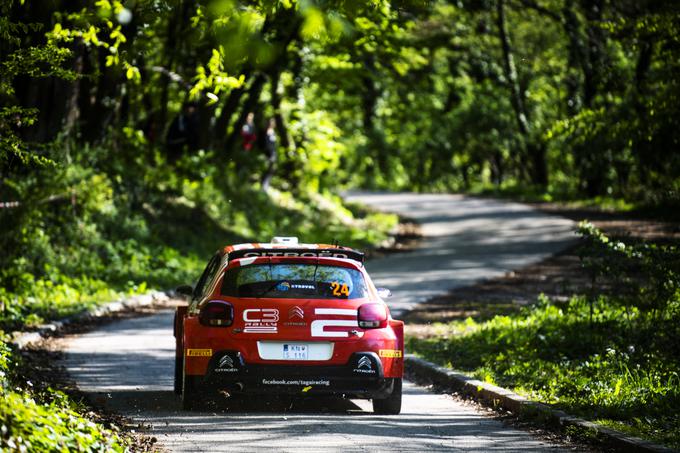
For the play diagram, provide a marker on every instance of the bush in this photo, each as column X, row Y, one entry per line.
column 48, row 422
column 643, row 275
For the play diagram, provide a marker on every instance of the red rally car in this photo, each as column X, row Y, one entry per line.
column 288, row 318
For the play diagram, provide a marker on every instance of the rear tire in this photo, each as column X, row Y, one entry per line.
column 179, row 375
column 192, row 395
column 392, row 404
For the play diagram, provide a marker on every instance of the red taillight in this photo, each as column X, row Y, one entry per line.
column 372, row 316
column 216, row 313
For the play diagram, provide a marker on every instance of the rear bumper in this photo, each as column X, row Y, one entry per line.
column 361, row 377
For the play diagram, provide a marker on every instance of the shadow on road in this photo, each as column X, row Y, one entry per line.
column 319, row 424
column 142, row 401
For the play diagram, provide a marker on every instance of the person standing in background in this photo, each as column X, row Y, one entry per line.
column 248, row 132
column 270, row 146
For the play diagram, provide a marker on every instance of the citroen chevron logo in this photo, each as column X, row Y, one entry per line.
column 365, row 362
column 296, row 312
column 226, row 362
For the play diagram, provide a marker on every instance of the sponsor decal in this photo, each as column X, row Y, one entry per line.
column 301, row 286
column 364, row 365
column 199, row 352
column 247, row 261
column 268, row 315
column 260, row 320
column 390, row 353
column 283, row 287
column 296, row 382
column 225, row 365
column 309, row 254
column 319, row 325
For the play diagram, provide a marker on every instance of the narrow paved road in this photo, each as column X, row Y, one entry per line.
column 465, row 239
column 128, row 365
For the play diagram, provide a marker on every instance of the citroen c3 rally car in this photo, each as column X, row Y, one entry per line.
column 288, row 318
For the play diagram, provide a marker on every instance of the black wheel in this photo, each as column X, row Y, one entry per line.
column 192, row 394
column 392, row 404
column 179, row 375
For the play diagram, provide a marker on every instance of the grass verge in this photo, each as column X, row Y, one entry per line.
column 610, row 355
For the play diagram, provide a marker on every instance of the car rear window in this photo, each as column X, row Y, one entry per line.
column 293, row 281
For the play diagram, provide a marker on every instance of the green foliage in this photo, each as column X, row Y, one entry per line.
column 50, row 422
column 28, row 425
column 609, row 356
column 94, row 241
column 632, row 126
column 436, row 112
column 645, row 276
column 620, row 367
column 409, row 97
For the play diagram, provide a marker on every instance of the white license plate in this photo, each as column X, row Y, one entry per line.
column 295, row 352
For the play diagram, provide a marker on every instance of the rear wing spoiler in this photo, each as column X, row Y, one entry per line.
column 302, row 252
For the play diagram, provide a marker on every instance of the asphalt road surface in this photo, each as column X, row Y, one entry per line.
column 128, row 365
column 465, row 239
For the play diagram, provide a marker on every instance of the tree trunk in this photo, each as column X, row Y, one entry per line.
column 285, row 37
column 539, row 164
column 592, row 164
column 510, row 72
column 592, row 64
column 369, row 99
column 105, row 87
column 223, row 120
column 536, row 151
column 176, row 24
column 281, row 128
column 576, row 57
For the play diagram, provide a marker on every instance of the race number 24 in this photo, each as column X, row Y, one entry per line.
column 340, row 289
